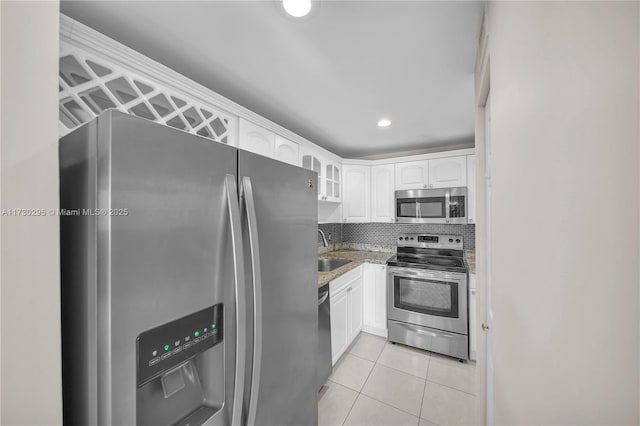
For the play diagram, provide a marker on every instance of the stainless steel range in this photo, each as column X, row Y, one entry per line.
column 427, row 294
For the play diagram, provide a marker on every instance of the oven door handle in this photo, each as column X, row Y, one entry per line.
column 422, row 274
column 410, row 272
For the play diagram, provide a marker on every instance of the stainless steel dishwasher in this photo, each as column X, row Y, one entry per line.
column 324, row 335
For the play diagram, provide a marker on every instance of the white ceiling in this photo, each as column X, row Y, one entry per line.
column 329, row 77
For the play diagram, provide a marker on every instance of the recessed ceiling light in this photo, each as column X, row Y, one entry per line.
column 297, row 8
column 384, row 123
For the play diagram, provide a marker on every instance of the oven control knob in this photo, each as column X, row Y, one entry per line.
column 457, row 240
column 400, row 238
column 450, row 240
column 411, row 238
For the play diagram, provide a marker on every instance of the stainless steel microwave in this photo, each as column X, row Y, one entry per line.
column 444, row 205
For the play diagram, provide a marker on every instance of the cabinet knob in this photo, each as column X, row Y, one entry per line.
column 485, row 327
column 425, row 185
column 430, row 185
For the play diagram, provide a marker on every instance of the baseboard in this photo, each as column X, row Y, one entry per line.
column 382, row 332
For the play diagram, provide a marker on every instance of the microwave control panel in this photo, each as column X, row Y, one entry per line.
column 161, row 348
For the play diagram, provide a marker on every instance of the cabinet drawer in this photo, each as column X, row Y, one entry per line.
column 345, row 280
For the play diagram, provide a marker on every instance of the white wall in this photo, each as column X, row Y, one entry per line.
column 565, row 134
column 30, row 278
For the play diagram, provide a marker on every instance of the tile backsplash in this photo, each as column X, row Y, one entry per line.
column 386, row 234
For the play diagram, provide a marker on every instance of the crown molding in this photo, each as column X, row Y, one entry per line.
column 86, row 38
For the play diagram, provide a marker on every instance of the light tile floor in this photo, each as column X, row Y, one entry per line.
column 376, row 383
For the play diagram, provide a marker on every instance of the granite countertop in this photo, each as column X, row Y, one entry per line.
column 357, row 257
column 470, row 257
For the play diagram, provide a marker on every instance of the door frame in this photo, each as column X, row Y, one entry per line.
column 484, row 375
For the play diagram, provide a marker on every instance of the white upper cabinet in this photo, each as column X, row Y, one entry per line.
column 332, row 181
column 286, row 151
column 471, row 188
column 412, row 174
column 356, row 205
column 329, row 174
column 311, row 160
column 448, row 172
column 256, row 139
column 382, row 198
column 437, row 173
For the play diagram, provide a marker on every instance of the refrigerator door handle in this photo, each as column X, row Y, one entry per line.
column 249, row 202
column 241, row 309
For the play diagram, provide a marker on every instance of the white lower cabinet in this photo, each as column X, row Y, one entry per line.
column 473, row 322
column 345, row 293
column 375, row 299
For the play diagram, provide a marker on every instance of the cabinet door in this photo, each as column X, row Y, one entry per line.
column 256, row 139
column 412, row 174
column 368, row 296
column 340, row 330
column 382, row 197
column 380, row 297
column 286, row 151
column 311, row 161
column 448, row 172
column 473, row 322
column 356, row 203
column 374, row 319
column 471, row 188
column 355, row 296
column 332, row 190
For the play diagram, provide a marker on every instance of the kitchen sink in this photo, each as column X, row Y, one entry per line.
column 326, row 265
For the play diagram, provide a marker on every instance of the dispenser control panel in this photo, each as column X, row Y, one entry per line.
column 161, row 348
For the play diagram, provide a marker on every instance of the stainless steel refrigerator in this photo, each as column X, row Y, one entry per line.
column 189, row 280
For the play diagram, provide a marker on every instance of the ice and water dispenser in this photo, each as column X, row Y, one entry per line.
column 180, row 370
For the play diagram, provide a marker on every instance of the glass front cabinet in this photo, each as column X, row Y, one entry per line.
column 329, row 175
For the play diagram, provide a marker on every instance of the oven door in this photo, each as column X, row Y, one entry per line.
column 428, row 298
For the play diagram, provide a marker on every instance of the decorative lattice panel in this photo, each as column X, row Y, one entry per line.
column 88, row 85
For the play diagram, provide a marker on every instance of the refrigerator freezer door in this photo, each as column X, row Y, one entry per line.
column 162, row 249
column 284, row 381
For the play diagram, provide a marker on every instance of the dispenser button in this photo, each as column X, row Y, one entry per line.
column 178, row 349
column 187, row 345
column 165, row 356
column 154, row 361
column 198, row 340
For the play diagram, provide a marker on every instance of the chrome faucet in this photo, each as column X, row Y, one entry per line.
column 324, row 239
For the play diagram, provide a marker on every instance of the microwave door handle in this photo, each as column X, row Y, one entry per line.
column 250, row 205
column 240, row 296
column 447, row 203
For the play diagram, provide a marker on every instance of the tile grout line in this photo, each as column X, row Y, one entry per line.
column 383, row 402
column 451, row 387
column 430, row 358
column 424, row 390
column 365, row 381
column 387, row 366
